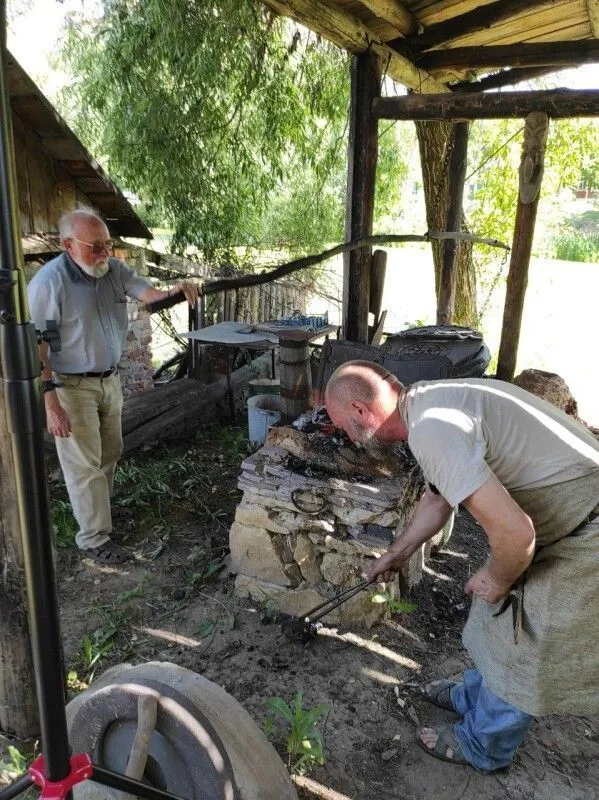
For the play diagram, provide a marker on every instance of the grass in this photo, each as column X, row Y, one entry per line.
column 574, row 245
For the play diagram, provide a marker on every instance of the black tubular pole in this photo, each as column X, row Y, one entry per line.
column 117, row 781
column 19, row 358
column 16, row 788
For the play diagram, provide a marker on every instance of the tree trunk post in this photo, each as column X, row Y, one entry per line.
column 362, row 159
column 18, row 705
column 378, row 268
column 532, row 166
column 434, row 142
column 295, row 374
column 449, row 266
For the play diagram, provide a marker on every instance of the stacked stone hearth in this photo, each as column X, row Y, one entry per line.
column 300, row 536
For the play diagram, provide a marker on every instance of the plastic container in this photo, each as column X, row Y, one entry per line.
column 263, row 411
column 264, row 386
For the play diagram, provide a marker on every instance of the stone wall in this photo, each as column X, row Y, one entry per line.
column 135, row 367
column 298, row 539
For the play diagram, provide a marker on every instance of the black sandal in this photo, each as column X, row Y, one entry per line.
column 447, row 747
column 108, row 554
column 439, row 693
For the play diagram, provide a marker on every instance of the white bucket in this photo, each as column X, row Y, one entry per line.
column 263, row 411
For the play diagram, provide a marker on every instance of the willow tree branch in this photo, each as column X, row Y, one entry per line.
column 226, row 284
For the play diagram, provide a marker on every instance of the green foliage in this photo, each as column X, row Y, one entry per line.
column 94, row 648
column 229, row 124
column 64, row 526
column 573, row 245
column 17, row 765
column 394, row 606
column 201, row 109
column 304, row 743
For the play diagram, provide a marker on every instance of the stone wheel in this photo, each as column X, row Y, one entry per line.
column 202, row 746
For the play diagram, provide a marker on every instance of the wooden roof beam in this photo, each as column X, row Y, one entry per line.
column 507, row 77
column 593, row 9
column 556, row 103
column 347, row 32
column 393, row 12
column 479, row 19
column 539, row 54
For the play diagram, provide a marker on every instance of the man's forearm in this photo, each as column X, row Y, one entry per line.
column 430, row 515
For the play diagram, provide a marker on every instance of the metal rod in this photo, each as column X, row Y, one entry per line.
column 15, row 788
column 333, row 602
column 20, row 369
column 117, row 781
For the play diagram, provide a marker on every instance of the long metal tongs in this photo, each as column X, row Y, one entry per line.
column 305, row 628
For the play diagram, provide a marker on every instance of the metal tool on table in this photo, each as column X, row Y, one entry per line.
column 305, row 628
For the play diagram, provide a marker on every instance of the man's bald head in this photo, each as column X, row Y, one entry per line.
column 361, row 397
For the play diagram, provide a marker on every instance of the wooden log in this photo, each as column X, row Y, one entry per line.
column 556, row 103
column 457, row 176
column 317, row 790
column 378, row 268
column 531, row 176
column 394, row 13
column 262, row 304
column 479, row 19
column 18, row 705
column 223, row 284
column 362, row 159
column 539, row 54
column 295, row 374
column 147, row 714
column 507, row 77
column 349, row 33
column 189, row 405
column 593, row 9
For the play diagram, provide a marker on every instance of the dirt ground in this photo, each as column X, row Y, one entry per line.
column 176, row 603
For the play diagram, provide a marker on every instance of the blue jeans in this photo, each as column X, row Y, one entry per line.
column 491, row 729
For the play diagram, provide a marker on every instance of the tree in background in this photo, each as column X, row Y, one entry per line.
column 227, row 122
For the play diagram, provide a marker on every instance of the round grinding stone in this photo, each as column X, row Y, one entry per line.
column 205, row 745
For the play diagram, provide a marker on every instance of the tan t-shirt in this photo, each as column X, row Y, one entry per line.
column 461, row 430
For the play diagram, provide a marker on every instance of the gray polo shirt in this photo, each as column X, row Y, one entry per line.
column 91, row 313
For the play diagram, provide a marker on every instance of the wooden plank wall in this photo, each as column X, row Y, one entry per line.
column 45, row 190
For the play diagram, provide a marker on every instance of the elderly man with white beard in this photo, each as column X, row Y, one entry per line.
column 84, row 290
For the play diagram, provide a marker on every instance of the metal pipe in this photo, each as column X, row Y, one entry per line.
column 20, row 369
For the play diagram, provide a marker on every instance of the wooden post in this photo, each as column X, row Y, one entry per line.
column 378, row 268
column 457, row 177
column 532, row 165
column 261, row 303
column 295, row 374
column 18, row 706
column 362, row 158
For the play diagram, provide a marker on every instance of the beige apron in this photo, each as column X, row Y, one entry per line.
column 554, row 668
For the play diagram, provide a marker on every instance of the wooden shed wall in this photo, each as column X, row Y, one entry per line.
column 45, row 190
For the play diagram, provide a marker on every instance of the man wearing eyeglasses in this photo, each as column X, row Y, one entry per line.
column 85, row 290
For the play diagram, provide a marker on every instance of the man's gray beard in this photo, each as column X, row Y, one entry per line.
column 96, row 272
column 376, row 449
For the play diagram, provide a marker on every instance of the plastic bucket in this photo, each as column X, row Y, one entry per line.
column 263, row 411
column 264, row 386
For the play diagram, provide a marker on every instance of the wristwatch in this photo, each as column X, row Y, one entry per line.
column 50, row 386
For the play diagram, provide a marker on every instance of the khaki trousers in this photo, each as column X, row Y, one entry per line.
column 88, row 457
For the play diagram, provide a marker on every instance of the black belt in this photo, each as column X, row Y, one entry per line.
column 104, row 374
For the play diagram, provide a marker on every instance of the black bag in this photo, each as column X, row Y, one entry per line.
column 416, row 354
